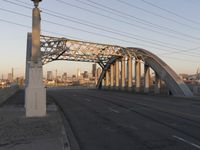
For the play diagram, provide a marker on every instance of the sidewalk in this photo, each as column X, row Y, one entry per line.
column 20, row 133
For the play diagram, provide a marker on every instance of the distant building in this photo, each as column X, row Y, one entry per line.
column 10, row 77
column 49, row 75
column 64, row 76
column 85, row 74
column 198, row 74
column 78, row 73
column 184, row 76
column 94, row 69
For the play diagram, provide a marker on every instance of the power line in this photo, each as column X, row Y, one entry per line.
column 112, row 19
column 7, row 1
column 80, row 21
column 26, row 26
column 69, row 18
column 179, row 51
column 122, row 21
column 75, row 28
column 188, row 50
column 128, row 16
column 29, row 27
column 158, row 15
column 90, row 32
column 171, row 12
column 180, row 59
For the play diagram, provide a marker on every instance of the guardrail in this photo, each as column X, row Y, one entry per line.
column 5, row 93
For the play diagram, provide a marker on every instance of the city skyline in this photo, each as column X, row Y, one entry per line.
column 185, row 61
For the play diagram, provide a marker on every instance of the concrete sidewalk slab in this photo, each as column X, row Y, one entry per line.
column 20, row 133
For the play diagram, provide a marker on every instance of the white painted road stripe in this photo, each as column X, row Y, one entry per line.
column 113, row 110
column 87, row 99
column 188, row 142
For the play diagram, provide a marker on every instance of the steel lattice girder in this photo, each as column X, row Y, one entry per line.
column 53, row 48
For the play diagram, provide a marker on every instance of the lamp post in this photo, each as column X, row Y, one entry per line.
column 35, row 93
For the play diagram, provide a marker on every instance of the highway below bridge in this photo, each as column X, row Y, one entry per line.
column 111, row 120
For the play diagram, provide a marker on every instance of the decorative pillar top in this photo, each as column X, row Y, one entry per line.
column 36, row 2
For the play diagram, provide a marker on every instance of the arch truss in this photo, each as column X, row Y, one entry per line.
column 116, row 62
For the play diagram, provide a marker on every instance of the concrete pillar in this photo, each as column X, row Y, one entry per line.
column 130, row 74
column 28, row 57
column 107, row 79
column 157, row 84
column 117, row 74
column 111, row 76
column 103, row 83
column 35, row 93
column 137, row 75
column 146, row 78
column 123, row 73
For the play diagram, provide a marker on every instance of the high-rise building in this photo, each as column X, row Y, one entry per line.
column 64, row 76
column 198, row 74
column 49, row 75
column 85, row 74
column 94, row 69
column 78, row 73
column 10, row 78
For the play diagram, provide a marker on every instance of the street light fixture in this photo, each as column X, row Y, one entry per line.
column 36, row 2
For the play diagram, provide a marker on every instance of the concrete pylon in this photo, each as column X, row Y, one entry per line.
column 103, row 83
column 137, row 75
column 130, row 74
column 157, row 84
column 107, row 79
column 35, row 93
column 146, row 78
column 111, row 76
column 123, row 73
column 117, row 74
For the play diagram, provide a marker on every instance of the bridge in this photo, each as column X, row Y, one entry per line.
column 98, row 119
column 44, row 49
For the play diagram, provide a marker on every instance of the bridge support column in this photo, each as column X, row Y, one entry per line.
column 137, row 75
column 35, row 93
column 130, row 75
column 103, row 83
column 117, row 74
column 157, row 84
column 123, row 73
column 111, row 76
column 146, row 78
column 107, row 79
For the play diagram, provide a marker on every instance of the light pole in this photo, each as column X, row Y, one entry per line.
column 35, row 93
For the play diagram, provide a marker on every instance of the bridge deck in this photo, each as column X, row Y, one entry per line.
column 105, row 120
column 109, row 120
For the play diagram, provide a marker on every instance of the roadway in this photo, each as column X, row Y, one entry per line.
column 110, row 120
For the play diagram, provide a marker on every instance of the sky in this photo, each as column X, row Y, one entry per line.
column 170, row 29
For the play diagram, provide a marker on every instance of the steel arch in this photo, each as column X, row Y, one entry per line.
column 54, row 48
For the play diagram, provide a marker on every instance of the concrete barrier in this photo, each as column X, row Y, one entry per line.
column 5, row 93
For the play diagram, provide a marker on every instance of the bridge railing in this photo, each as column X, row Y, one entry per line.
column 7, row 92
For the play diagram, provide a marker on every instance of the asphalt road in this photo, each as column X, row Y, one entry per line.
column 106, row 120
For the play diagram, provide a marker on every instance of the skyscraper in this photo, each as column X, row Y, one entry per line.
column 10, row 77
column 64, row 77
column 78, row 73
column 49, row 75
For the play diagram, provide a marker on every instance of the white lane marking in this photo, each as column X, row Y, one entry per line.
column 188, row 142
column 114, row 110
column 87, row 99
